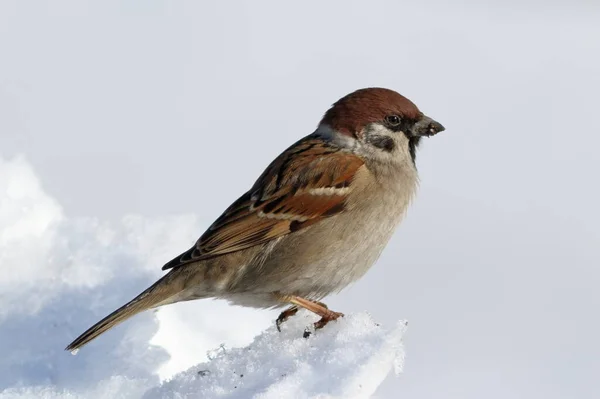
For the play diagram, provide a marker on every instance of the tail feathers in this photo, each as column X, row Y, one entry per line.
column 144, row 301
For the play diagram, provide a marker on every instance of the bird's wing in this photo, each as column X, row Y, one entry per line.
column 305, row 184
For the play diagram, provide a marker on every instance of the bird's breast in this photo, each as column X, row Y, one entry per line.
column 328, row 255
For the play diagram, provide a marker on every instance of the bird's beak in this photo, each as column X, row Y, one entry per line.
column 426, row 127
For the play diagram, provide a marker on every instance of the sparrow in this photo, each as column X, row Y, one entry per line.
column 315, row 221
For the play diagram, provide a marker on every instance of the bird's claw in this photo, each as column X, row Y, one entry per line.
column 286, row 314
column 327, row 318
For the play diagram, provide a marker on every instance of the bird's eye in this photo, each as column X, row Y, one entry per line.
column 393, row 120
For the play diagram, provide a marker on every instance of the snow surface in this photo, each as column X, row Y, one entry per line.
column 346, row 359
column 61, row 274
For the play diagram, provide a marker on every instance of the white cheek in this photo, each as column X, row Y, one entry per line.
column 400, row 154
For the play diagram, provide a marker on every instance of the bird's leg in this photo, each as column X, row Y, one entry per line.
column 315, row 307
column 286, row 314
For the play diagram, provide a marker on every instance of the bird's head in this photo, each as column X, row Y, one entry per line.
column 379, row 124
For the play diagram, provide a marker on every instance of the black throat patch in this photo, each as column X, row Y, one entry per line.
column 413, row 143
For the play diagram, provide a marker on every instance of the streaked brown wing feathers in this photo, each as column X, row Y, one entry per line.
column 308, row 182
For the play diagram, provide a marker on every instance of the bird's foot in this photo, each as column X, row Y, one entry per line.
column 319, row 308
column 286, row 314
column 329, row 316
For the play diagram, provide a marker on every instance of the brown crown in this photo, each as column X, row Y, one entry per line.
column 356, row 110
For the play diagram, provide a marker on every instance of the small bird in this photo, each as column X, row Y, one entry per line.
column 316, row 219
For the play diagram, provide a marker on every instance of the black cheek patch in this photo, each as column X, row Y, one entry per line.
column 383, row 142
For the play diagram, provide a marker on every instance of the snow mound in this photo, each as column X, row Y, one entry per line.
column 349, row 358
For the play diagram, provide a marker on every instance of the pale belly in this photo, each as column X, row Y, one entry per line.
column 327, row 256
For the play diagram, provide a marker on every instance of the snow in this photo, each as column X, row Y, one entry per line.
column 61, row 274
column 349, row 358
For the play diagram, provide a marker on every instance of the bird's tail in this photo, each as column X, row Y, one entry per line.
column 146, row 300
